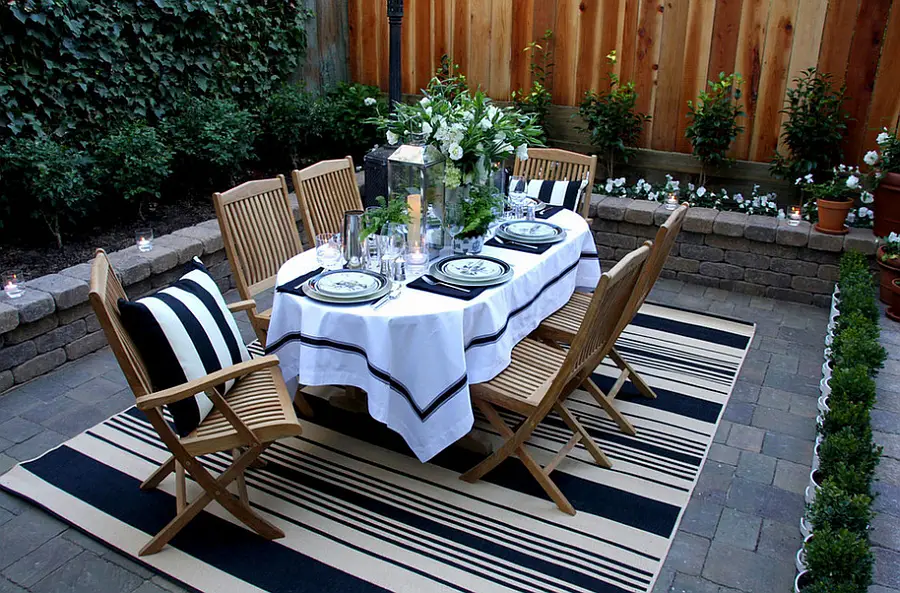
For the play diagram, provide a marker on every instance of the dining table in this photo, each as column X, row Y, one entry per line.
column 416, row 355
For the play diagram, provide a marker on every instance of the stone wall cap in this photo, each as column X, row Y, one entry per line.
column 862, row 240
column 186, row 247
column 761, row 228
column 211, row 238
column 730, row 224
column 79, row 272
column 612, row 208
column 9, row 315
column 129, row 265
column 700, row 220
column 641, row 212
column 34, row 304
column 65, row 290
column 825, row 242
column 795, row 236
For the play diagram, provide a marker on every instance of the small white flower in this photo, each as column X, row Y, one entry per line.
column 701, row 191
column 771, row 205
column 426, row 128
column 522, row 152
column 455, row 152
column 609, row 186
column 866, row 197
column 853, row 182
column 392, row 138
column 864, row 212
column 871, row 158
column 653, row 196
column 485, row 124
column 842, row 168
column 799, row 181
column 425, row 102
column 893, row 237
column 883, row 138
column 809, row 178
column 619, row 182
column 370, row 101
column 739, row 198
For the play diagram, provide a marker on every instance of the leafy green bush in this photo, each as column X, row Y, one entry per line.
column 537, row 101
column 854, row 416
column 814, row 128
column 294, row 124
column 841, row 557
column 848, row 458
column 349, row 111
column 612, row 121
column 834, row 509
column 51, row 176
column 713, row 122
column 852, row 385
column 214, row 135
column 133, row 162
column 856, row 343
column 71, row 67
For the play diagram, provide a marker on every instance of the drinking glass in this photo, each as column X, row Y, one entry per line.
column 328, row 250
column 518, row 195
column 393, row 244
column 454, row 221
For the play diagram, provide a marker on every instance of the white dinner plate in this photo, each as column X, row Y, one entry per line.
column 473, row 267
column 349, row 283
column 531, row 231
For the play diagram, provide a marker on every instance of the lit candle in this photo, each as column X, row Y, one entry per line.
column 671, row 201
column 794, row 218
column 144, row 239
column 12, row 284
column 415, row 253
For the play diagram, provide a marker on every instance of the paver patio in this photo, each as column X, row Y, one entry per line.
column 739, row 532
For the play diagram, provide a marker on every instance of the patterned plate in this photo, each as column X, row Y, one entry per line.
column 349, row 283
column 531, row 231
column 472, row 270
column 309, row 289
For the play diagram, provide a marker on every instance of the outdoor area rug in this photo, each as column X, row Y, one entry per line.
column 360, row 513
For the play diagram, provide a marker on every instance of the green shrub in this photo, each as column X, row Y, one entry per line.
column 856, row 343
column 852, row 385
column 841, row 557
column 213, row 134
column 848, row 457
column 851, row 263
column 828, row 585
column 52, row 178
column 133, row 162
column 537, row 101
column 834, row 509
column 294, row 124
column 713, row 122
column 854, row 416
column 814, row 128
column 349, row 114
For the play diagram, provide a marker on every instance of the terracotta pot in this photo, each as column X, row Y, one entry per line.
column 893, row 311
column 832, row 215
column 887, row 206
column 890, row 271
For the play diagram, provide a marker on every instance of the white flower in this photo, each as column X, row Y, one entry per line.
column 893, row 237
column 392, row 138
column 485, row 124
column 522, row 152
column 455, row 151
column 370, row 101
column 653, row 196
column 864, row 212
column 619, row 182
column 701, row 191
column 425, row 102
column 871, row 158
column 809, row 178
column 853, row 182
column 771, row 205
column 866, row 197
column 609, row 186
column 883, row 138
column 842, row 168
column 426, row 128
column 739, row 198
column 799, row 181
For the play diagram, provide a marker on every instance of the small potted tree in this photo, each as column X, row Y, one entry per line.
column 835, row 197
column 713, row 123
column 886, row 173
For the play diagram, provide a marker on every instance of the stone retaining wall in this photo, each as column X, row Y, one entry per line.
column 53, row 322
column 757, row 255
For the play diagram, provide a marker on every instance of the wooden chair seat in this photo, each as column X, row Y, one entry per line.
column 262, row 405
column 522, row 385
column 565, row 322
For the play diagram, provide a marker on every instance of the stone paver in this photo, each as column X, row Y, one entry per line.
column 738, row 534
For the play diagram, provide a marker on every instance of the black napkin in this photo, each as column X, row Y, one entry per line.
column 507, row 244
column 474, row 291
column 547, row 211
column 295, row 285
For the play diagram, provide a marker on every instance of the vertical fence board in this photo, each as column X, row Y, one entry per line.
column 696, row 62
column 479, row 71
column 522, row 14
column 748, row 62
column 837, row 37
column 646, row 61
column 726, row 28
column 424, row 60
column 629, row 39
column 885, row 107
column 566, row 44
column 461, row 21
column 668, row 88
column 354, row 19
column 589, row 38
column 501, row 37
column 543, row 19
column 609, row 40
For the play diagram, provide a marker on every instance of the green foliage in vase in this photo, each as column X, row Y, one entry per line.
column 612, row 120
column 539, row 98
column 448, row 81
column 479, row 210
column 395, row 210
column 814, row 128
column 713, row 122
column 54, row 178
column 133, row 162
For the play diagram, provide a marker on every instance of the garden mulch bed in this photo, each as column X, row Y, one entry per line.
column 41, row 259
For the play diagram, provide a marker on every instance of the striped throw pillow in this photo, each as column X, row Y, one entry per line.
column 557, row 193
column 185, row 332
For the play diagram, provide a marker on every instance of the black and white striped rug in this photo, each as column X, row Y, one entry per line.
column 361, row 514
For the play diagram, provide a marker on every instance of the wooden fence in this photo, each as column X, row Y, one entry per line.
column 669, row 48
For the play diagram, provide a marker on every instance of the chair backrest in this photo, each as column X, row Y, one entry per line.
column 662, row 247
column 554, row 164
column 259, row 232
column 613, row 298
column 325, row 191
column 106, row 290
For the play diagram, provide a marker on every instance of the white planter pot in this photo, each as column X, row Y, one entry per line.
column 801, row 581
column 829, row 337
column 824, row 388
column 823, row 402
column 814, row 485
column 809, row 495
column 815, row 458
column 826, row 366
column 800, row 558
column 805, row 527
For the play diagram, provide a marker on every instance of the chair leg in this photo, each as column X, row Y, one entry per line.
column 578, row 429
column 636, row 379
column 160, row 474
column 605, row 403
column 540, row 474
column 180, row 488
column 240, row 481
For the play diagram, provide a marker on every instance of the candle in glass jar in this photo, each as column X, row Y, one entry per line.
column 671, row 201
column 415, row 253
column 144, row 239
column 12, row 284
column 794, row 217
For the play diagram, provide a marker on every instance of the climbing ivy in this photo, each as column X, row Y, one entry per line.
column 69, row 68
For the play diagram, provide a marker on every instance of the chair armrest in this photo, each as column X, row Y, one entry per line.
column 247, row 305
column 180, row 392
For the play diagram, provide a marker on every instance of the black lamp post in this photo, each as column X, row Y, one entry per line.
column 395, row 19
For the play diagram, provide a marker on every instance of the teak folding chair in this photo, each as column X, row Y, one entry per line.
column 565, row 323
column 325, row 191
column 541, row 377
column 256, row 412
column 554, row 164
column 260, row 234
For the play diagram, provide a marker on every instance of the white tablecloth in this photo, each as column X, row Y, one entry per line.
column 416, row 356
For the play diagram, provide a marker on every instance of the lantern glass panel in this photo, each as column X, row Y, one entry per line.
column 416, row 174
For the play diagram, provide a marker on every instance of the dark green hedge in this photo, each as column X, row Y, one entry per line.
column 69, row 67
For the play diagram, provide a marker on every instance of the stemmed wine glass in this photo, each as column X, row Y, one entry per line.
column 454, row 221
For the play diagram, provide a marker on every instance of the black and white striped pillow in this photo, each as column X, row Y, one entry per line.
column 557, row 193
column 185, row 332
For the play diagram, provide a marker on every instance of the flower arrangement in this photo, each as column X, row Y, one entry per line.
column 468, row 129
column 845, row 184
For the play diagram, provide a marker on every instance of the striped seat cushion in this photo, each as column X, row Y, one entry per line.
column 185, row 332
column 557, row 193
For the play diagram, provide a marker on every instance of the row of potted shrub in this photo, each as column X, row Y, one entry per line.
column 835, row 556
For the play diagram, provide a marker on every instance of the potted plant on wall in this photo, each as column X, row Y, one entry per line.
column 835, row 197
column 886, row 173
column 888, row 259
column 713, row 123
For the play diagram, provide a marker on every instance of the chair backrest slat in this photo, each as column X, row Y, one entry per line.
column 325, row 191
column 662, row 247
column 106, row 290
column 259, row 231
column 554, row 164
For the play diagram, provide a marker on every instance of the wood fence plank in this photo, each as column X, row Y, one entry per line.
column 523, row 14
column 368, row 46
column 424, row 61
column 501, row 37
column 726, row 29
column 884, row 110
column 837, row 38
column 628, row 47
column 646, row 61
column 354, row 18
column 611, row 18
column 589, row 38
column 861, row 70
column 383, row 51
column 408, row 46
column 748, row 63
column 479, row 72
column 461, row 21
column 543, row 17
column 566, row 47
column 671, row 61
column 696, row 62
